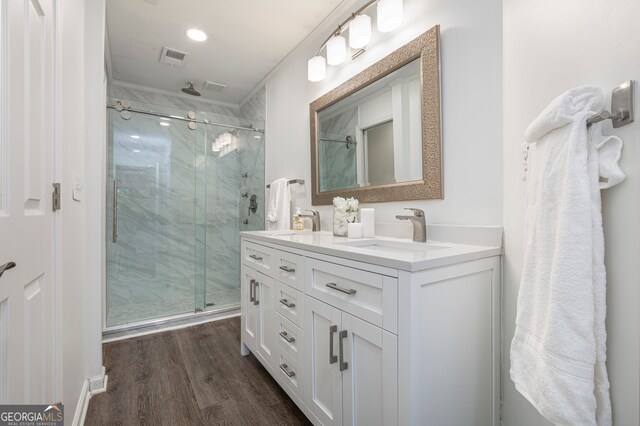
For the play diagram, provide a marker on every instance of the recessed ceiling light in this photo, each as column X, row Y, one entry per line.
column 136, row 150
column 196, row 35
column 165, row 123
column 135, row 137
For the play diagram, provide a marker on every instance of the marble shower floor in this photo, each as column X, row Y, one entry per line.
column 129, row 313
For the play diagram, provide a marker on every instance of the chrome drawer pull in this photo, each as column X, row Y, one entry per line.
column 284, row 368
column 252, row 297
column 286, row 303
column 255, row 257
column 286, row 337
column 332, row 358
column 287, row 269
column 255, row 293
column 343, row 365
column 335, row 286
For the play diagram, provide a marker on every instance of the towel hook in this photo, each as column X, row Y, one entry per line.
column 621, row 107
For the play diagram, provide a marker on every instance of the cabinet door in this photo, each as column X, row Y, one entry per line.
column 249, row 319
column 370, row 378
column 323, row 393
column 267, row 321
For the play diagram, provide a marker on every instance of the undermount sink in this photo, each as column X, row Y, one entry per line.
column 389, row 246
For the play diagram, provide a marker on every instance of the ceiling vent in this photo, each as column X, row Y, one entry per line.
column 214, row 87
column 173, row 57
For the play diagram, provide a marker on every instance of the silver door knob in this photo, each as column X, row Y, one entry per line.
column 6, row 267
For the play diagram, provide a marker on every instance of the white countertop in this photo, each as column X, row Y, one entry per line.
column 435, row 254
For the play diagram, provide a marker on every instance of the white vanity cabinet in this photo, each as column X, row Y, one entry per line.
column 356, row 338
column 351, row 368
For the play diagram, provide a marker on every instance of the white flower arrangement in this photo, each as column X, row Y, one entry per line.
column 345, row 212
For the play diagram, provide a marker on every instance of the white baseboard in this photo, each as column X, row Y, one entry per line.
column 90, row 387
column 83, row 405
column 98, row 384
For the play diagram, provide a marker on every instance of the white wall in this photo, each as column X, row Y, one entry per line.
column 549, row 47
column 72, row 215
column 471, row 102
column 79, row 150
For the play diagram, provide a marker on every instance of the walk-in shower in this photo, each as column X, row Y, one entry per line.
column 175, row 186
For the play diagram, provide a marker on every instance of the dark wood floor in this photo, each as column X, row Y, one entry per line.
column 192, row 376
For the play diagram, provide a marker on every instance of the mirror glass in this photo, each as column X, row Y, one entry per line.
column 376, row 136
column 373, row 136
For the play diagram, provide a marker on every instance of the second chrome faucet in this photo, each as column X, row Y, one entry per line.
column 419, row 224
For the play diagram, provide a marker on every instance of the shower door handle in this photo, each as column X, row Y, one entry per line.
column 114, row 213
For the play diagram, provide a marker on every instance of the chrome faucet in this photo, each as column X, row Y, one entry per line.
column 315, row 219
column 419, row 224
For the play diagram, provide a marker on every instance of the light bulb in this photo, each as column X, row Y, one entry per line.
column 316, row 68
column 360, row 31
column 336, row 50
column 389, row 15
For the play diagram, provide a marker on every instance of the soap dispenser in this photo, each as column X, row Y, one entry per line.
column 298, row 224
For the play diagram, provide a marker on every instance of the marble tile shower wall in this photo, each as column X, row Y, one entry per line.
column 252, row 150
column 338, row 163
column 175, row 242
column 150, row 270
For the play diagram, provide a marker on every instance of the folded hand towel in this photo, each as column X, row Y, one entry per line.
column 558, row 352
column 279, row 206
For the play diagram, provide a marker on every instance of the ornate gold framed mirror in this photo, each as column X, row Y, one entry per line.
column 377, row 136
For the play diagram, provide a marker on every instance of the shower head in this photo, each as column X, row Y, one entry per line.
column 191, row 90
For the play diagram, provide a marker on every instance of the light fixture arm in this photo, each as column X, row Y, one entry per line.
column 345, row 24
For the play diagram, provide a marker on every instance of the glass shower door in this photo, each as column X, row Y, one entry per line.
column 151, row 219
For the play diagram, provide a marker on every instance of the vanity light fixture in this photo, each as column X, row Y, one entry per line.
column 360, row 31
column 196, row 34
column 389, row 13
column 336, row 50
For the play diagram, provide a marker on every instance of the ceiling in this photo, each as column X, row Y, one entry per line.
column 246, row 40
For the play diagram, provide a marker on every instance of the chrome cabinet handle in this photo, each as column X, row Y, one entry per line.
column 286, row 303
column 287, row 269
column 285, row 368
column 252, row 297
column 343, row 364
column 255, row 257
column 335, row 286
column 255, row 293
column 286, row 337
column 114, row 213
column 6, row 267
column 332, row 358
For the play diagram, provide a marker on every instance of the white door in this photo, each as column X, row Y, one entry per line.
column 249, row 319
column 323, row 393
column 266, row 294
column 27, row 338
column 370, row 378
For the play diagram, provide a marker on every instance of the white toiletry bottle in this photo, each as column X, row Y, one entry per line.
column 298, row 224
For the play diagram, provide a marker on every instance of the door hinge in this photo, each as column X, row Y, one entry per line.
column 56, row 197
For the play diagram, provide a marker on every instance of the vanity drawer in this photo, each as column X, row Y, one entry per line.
column 291, row 374
column 259, row 257
column 290, row 303
column 369, row 296
column 290, row 339
column 290, row 269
